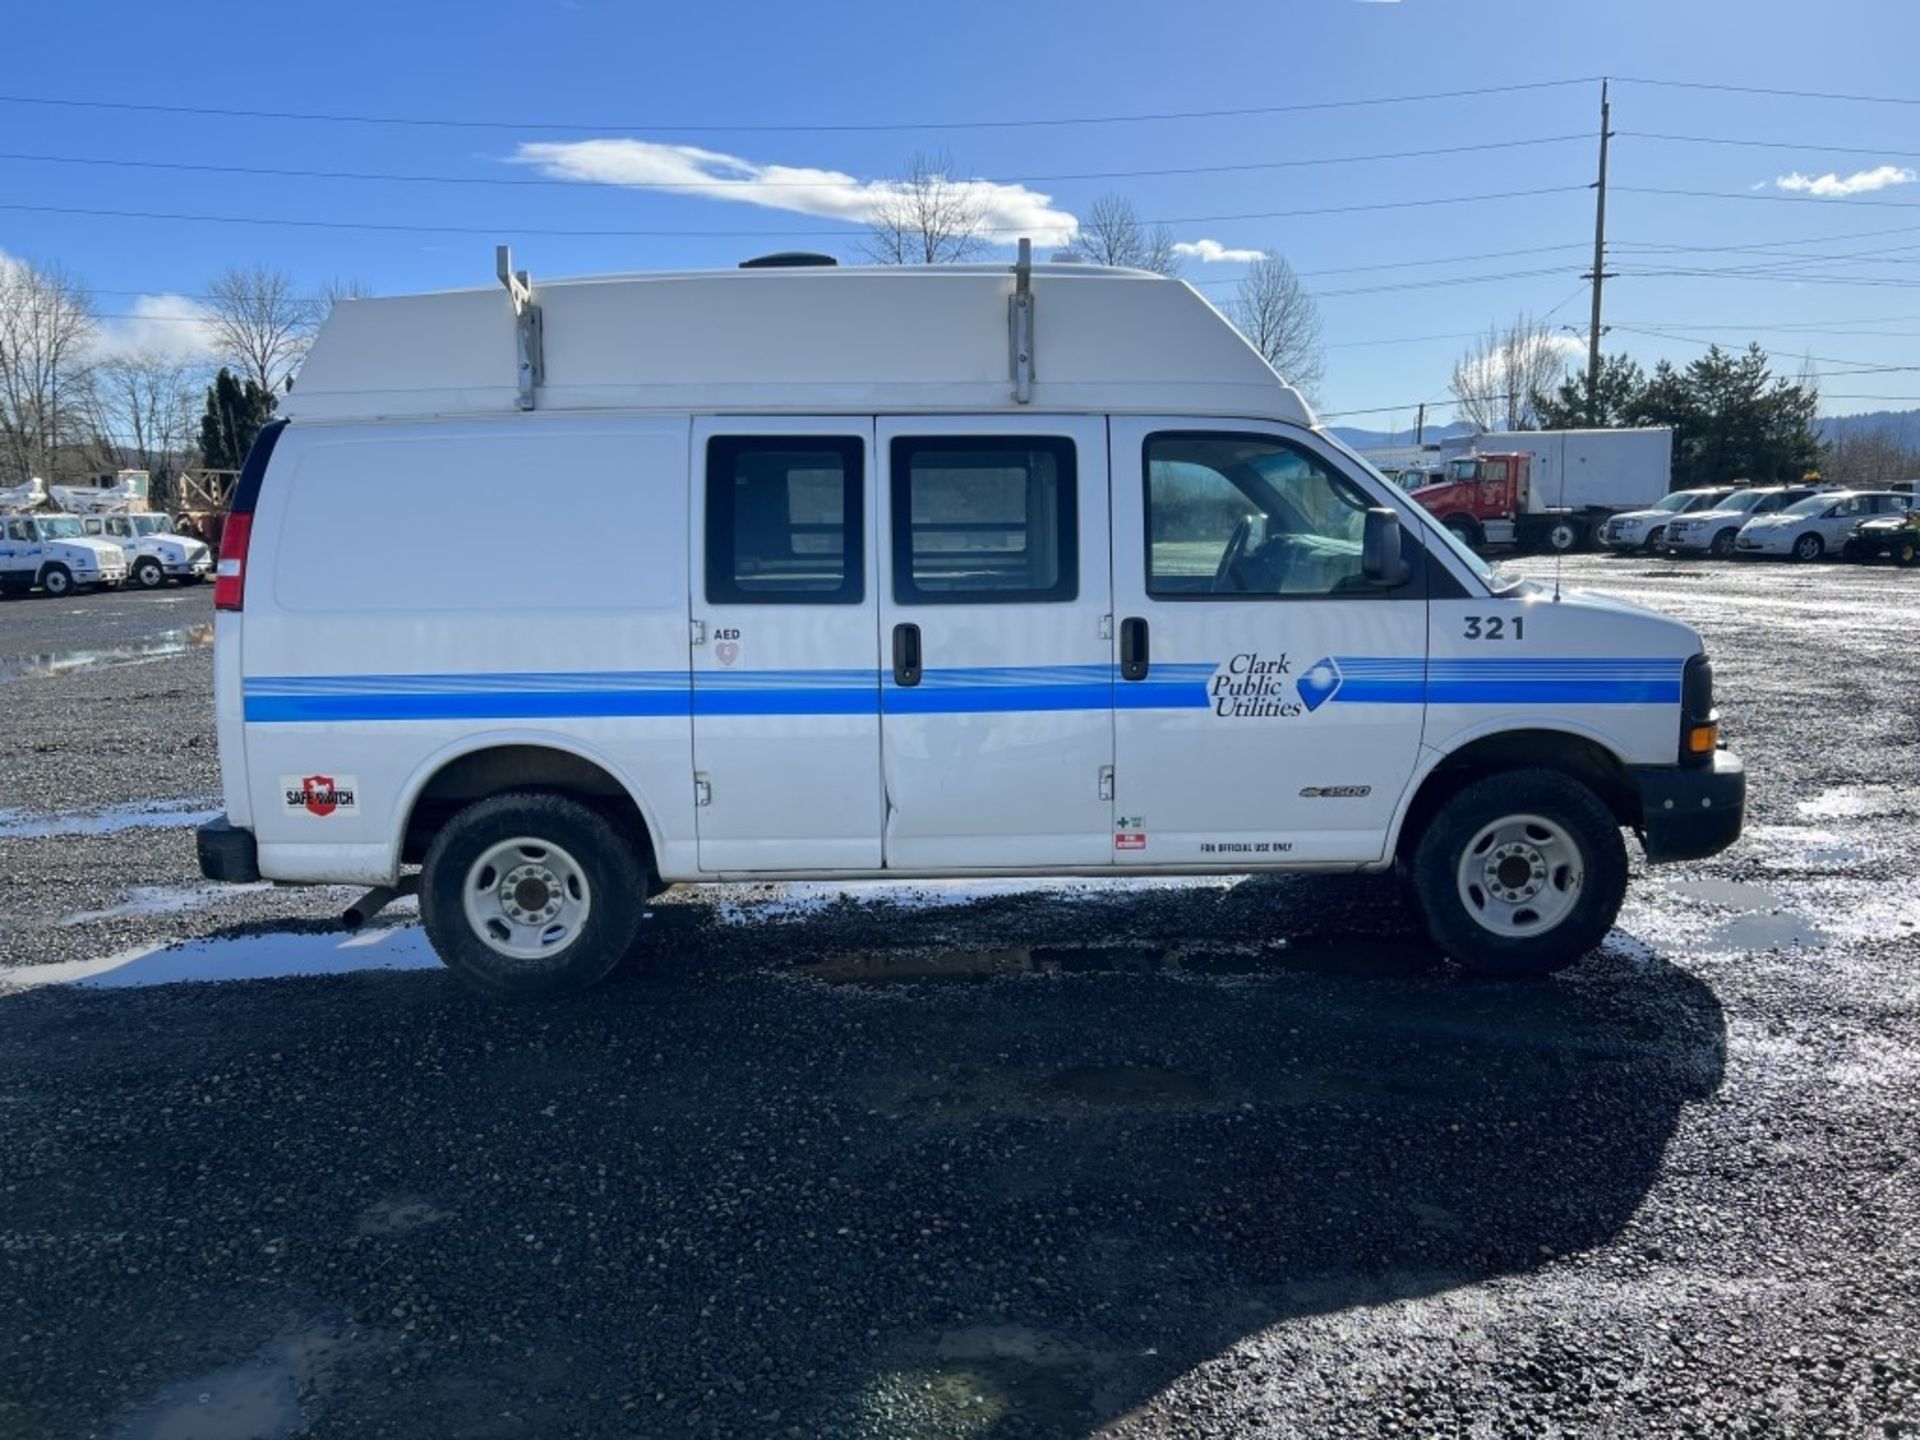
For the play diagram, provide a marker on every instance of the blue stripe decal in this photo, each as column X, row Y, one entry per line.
column 1356, row 680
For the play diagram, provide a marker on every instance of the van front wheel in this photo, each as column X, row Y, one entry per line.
column 1520, row 873
column 528, row 895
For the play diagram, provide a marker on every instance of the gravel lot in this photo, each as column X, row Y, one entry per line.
column 1203, row 1159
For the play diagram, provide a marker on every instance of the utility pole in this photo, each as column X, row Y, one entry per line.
column 1420, row 425
column 1599, row 263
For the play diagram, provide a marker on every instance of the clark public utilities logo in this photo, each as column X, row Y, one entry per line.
column 1253, row 686
column 321, row 795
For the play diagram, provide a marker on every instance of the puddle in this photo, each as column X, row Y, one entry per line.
column 1782, row 931
column 146, row 815
column 258, row 1399
column 1849, row 802
column 1734, row 894
column 65, row 662
column 803, row 898
column 146, row 900
column 397, row 1215
column 250, row 957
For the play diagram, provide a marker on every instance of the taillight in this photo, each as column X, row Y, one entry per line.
column 230, row 579
column 230, row 576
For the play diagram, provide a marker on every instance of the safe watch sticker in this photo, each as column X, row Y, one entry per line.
column 1130, row 832
column 320, row 795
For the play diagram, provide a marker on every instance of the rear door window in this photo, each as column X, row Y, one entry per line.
column 783, row 520
column 981, row 519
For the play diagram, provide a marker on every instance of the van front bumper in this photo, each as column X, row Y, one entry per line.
column 227, row 852
column 1686, row 814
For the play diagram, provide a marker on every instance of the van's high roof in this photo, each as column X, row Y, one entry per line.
column 796, row 340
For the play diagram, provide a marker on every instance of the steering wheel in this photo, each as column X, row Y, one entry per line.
column 1223, row 578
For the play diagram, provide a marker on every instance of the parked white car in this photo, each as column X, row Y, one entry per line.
column 1647, row 529
column 155, row 553
column 51, row 552
column 1715, row 531
column 1810, row 528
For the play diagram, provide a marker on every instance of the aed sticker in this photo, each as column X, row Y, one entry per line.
column 321, row 795
column 1130, row 832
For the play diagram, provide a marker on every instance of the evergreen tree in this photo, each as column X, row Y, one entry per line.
column 236, row 412
column 1569, row 408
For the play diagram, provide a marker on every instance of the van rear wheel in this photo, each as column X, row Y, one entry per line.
column 528, row 895
column 1520, row 874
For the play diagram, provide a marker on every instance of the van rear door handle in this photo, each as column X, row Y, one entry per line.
column 906, row 654
column 1134, row 662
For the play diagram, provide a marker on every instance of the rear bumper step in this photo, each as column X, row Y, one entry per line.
column 227, row 852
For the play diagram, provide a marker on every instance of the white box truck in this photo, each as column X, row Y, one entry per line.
column 897, row 572
column 1549, row 489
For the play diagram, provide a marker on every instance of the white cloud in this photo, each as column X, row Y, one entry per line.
column 1212, row 252
column 174, row 326
column 1007, row 211
column 1831, row 186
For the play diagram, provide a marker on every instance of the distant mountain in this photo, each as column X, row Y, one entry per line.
column 1381, row 439
column 1900, row 426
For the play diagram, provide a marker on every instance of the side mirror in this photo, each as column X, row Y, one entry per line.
column 1380, row 560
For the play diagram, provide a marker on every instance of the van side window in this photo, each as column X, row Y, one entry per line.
column 91, row 526
column 784, row 520
column 19, row 530
column 1249, row 516
column 984, row 519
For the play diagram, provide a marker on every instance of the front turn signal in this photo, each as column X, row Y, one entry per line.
column 1703, row 739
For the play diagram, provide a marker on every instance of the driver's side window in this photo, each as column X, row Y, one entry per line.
column 1248, row 516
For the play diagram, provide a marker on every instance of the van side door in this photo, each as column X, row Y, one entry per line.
column 785, row 647
column 1270, row 697
column 996, row 601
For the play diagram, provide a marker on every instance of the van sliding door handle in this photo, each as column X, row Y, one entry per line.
column 1133, row 649
column 906, row 654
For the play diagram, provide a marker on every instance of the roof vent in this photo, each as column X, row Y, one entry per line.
column 786, row 260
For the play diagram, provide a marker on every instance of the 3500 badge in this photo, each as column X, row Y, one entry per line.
column 321, row 795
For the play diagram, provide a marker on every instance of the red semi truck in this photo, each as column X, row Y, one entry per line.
column 1549, row 489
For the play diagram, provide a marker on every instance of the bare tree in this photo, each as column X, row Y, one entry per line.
column 144, row 413
column 262, row 323
column 46, row 328
column 1496, row 381
column 350, row 287
column 1872, row 458
column 1281, row 321
column 1113, row 234
column 925, row 217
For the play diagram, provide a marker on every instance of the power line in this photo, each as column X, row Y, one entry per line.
column 1410, row 264
column 497, row 230
column 1768, row 90
column 722, row 183
column 1763, row 199
column 1767, row 144
column 444, row 122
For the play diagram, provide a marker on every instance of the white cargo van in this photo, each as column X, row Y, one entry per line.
column 970, row 570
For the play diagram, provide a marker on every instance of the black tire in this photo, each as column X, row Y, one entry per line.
column 1809, row 547
column 1657, row 540
column 56, row 582
column 1906, row 553
column 147, row 573
column 1597, row 889
column 615, row 882
column 1467, row 533
column 1723, row 543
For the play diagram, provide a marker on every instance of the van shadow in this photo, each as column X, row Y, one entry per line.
column 727, row 1195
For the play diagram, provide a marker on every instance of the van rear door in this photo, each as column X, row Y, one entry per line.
column 1270, row 699
column 995, row 605
column 785, row 651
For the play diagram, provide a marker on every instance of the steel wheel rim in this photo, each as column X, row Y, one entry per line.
column 55, row 583
column 149, row 576
column 1520, row 876
column 527, row 898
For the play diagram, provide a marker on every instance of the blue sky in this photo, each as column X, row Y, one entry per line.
column 741, row 84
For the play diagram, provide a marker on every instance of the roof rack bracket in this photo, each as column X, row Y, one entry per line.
column 529, row 358
column 1020, row 325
